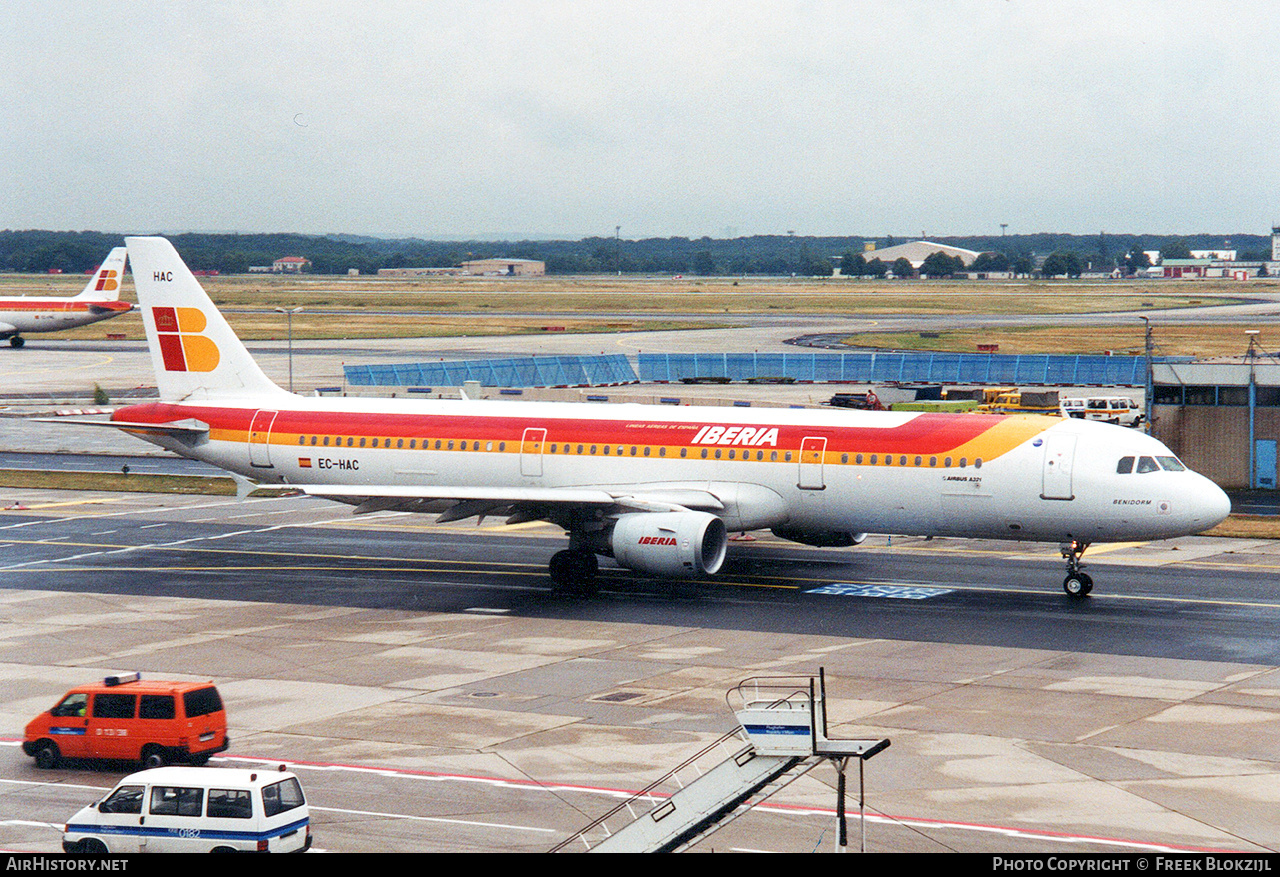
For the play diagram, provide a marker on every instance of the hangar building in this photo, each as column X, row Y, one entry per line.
column 1221, row 418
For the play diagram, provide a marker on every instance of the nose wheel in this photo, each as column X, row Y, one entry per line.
column 1077, row 584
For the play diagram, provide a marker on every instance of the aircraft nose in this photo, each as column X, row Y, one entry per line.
column 1212, row 505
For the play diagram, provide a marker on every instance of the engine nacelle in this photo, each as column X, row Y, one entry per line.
column 820, row 538
column 670, row 544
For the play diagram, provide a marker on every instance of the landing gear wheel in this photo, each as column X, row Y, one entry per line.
column 574, row 571
column 17, row 341
column 1077, row 585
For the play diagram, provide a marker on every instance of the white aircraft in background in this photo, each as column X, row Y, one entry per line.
column 658, row 489
column 100, row 300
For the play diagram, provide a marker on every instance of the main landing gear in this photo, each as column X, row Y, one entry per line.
column 1077, row 584
column 575, row 571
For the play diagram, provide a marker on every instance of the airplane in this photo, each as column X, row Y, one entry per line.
column 656, row 488
column 99, row 300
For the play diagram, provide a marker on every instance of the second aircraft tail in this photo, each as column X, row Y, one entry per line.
column 105, row 283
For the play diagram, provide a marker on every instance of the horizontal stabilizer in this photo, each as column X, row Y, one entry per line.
column 179, row 428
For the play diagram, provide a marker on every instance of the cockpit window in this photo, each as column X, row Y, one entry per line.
column 1171, row 464
column 1125, row 466
column 1147, row 464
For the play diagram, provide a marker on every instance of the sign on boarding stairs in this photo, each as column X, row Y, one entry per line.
column 783, row 723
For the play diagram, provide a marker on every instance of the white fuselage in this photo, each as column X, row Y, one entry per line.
column 1030, row 478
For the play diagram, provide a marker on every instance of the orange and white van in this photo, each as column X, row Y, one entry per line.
column 127, row 718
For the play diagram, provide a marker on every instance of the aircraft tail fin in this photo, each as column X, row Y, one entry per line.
column 106, row 281
column 195, row 353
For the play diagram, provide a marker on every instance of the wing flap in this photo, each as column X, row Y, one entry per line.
column 458, row 502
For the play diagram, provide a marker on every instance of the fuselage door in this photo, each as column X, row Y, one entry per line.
column 260, row 438
column 1059, row 456
column 812, row 451
column 531, row 450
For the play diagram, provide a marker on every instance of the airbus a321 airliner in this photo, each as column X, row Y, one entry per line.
column 100, row 300
column 656, row 488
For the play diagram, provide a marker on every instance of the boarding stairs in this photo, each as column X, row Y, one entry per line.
column 781, row 736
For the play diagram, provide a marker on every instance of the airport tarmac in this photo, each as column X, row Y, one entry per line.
column 435, row 696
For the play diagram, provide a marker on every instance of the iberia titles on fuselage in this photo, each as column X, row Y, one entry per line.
column 657, row 488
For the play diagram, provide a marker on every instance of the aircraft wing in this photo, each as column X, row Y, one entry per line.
column 520, row 504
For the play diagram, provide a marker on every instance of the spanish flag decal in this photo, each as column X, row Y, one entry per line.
column 182, row 347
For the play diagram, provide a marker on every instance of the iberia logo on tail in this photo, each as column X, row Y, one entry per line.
column 108, row 281
column 182, row 346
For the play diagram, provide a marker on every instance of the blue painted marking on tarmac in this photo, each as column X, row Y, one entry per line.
column 894, row 592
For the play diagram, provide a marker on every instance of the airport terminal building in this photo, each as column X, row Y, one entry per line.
column 1221, row 418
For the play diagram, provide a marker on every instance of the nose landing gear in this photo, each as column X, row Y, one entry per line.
column 1077, row 584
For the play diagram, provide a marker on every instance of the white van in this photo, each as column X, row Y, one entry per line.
column 1120, row 410
column 195, row 810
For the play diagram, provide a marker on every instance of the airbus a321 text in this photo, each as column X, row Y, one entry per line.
column 657, row 489
column 99, row 300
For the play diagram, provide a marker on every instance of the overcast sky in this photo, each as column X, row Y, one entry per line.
column 564, row 119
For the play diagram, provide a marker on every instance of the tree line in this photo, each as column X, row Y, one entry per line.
column 35, row 251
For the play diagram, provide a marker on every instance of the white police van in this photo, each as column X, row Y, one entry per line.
column 195, row 809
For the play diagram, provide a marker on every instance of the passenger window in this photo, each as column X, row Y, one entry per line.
column 282, row 796
column 72, row 705
column 176, row 801
column 114, row 706
column 1125, row 466
column 201, row 702
column 229, row 804
column 1147, row 464
column 399, row 443
column 126, row 799
column 156, row 706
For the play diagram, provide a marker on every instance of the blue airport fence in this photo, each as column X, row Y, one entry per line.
column 858, row 368
column 529, row 371
column 935, row 368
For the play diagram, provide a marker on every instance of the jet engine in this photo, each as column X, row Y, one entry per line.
column 820, row 538
column 671, row 544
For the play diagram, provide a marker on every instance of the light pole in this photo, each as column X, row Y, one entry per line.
column 289, row 312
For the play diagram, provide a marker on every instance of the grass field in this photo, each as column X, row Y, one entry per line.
column 365, row 307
